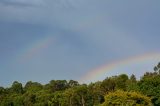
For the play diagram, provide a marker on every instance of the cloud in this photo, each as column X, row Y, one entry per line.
column 95, row 26
column 45, row 3
column 35, row 11
column 102, row 24
column 21, row 3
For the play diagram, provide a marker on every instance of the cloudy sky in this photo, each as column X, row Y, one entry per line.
column 41, row 40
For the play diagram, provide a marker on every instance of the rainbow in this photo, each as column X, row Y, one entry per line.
column 102, row 70
column 34, row 48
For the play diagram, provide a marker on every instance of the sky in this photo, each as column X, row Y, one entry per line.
column 43, row 40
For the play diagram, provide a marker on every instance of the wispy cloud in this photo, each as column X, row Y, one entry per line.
column 21, row 3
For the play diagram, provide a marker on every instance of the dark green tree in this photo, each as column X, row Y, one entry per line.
column 32, row 86
column 157, row 68
column 73, row 83
column 150, row 85
column 108, row 85
column 121, row 81
column 16, row 87
column 57, row 85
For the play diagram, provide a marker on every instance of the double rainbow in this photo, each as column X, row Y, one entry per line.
column 43, row 43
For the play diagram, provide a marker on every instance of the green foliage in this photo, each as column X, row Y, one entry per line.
column 57, row 85
column 118, row 90
column 29, row 99
column 108, row 85
column 2, row 90
column 150, row 85
column 73, row 83
column 78, row 96
column 17, row 100
column 122, row 98
column 17, row 87
column 131, row 84
column 133, row 78
column 32, row 87
column 57, row 99
column 157, row 68
column 121, row 81
column 96, row 92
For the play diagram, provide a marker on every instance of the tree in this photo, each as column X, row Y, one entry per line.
column 131, row 84
column 17, row 87
column 157, row 68
column 32, row 86
column 78, row 96
column 121, row 81
column 69, row 96
column 57, row 99
column 17, row 100
column 122, row 98
column 2, row 90
column 29, row 99
column 73, row 83
column 133, row 78
column 108, row 85
column 150, row 85
column 42, row 98
column 96, row 93
column 57, row 85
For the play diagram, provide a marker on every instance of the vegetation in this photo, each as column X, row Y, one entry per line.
column 122, row 98
column 120, row 90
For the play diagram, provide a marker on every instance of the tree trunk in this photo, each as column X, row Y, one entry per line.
column 83, row 101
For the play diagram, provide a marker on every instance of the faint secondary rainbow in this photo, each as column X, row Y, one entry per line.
column 34, row 48
column 100, row 71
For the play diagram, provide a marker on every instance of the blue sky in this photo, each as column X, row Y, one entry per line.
column 85, row 34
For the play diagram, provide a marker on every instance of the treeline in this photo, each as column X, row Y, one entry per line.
column 120, row 90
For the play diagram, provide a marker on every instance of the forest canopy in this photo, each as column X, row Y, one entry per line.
column 121, row 90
